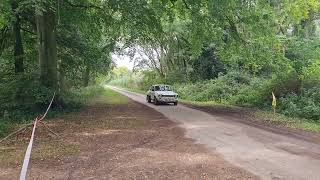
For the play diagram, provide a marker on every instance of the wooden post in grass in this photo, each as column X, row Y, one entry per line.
column 274, row 103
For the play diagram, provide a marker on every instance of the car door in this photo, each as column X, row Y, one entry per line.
column 149, row 92
column 152, row 92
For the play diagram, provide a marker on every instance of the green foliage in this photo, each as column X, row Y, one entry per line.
column 219, row 90
column 140, row 80
column 22, row 97
column 311, row 75
column 77, row 97
column 207, row 66
column 306, row 105
column 245, row 90
column 33, row 101
column 5, row 127
column 123, row 77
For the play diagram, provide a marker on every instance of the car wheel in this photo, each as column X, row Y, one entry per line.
column 175, row 103
column 148, row 99
column 155, row 101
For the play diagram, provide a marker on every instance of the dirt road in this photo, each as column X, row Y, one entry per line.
column 267, row 154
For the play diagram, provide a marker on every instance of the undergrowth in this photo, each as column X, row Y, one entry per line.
column 15, row 115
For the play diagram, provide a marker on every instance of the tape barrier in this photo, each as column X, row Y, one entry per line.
column 26, row 160
column 24, row 169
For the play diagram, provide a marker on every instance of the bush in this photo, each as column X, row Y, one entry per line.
column 76, row 97
column 306, row 105
column 311, row 75
column 256, row 93
column 239, row 89
column 5, row 127
column 22, row 97
column 222, row 89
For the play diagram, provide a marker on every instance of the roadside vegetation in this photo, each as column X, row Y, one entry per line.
column 74, row 99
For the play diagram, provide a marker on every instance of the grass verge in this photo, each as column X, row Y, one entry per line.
column 296, row 123
column 108, row 96
column 206, row 103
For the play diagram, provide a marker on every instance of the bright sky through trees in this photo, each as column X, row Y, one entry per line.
column 122, row 60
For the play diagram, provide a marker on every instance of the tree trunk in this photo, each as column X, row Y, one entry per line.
column 46, row 31
column 61, row 77
column 18, row 52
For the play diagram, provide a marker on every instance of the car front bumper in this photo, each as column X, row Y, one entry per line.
column 167, row 100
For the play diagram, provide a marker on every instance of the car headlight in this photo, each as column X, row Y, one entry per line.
column 160, row 95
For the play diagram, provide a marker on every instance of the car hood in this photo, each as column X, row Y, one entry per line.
column 166, row 92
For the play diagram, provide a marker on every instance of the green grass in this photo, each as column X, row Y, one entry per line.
column 310, row 126
column 296, row 123
column 111, row 97
column 205, row 103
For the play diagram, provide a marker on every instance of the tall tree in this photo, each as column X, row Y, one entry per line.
column 18, row 46
column 46, row 31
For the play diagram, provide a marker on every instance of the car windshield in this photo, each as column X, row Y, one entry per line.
column 163, row 88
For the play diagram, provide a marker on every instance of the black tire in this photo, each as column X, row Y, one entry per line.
column 175, row 103
column 155, row 101
column 148, row 99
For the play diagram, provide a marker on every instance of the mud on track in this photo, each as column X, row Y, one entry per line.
column 126, row 141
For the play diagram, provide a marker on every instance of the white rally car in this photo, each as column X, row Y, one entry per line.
column 161, row 93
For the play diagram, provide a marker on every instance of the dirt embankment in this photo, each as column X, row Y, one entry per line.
column 124, row 141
